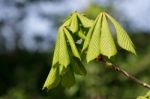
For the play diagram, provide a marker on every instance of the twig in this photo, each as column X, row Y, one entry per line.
column 117, row 69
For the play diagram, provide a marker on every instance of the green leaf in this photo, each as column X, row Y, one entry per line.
column 67, row 22
column 74, row 23
column 147, row 96
column 68, row 78
column 63, row 51
column 89, row 35
column 56, row 51
column 81, row 34
column 62, row 70
column 107, row 45
column 141, row 97
column 53, row 78
column 94, row 45
column 123, row 39
column 72, row 44
column 78, row 67
column 57, row 44
column 87, row 23
column 88, row 38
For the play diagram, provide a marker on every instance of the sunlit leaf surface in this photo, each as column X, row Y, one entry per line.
column 63, row 55
column 94, row 49
column 123, row 39
column 53, row 78
column 107, row 45
column 72, row 44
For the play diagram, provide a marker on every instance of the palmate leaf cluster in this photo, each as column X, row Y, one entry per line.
column 99, row 38
column 66, row 58
column 80, row 35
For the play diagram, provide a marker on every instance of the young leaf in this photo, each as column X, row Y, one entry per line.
column 89, row 35
column 81, row 34
column 78, row 67
column 68, row 78
column 94, row 46
column 88, row 38
column 123, row 39
column 74, row 23
column 107, row 45
column 85, row 21
column 62, row 70
column 63, row 51
column 147, row 96
column 67, row 22
column 56, row 51
column 53, row 78
column 72, row 44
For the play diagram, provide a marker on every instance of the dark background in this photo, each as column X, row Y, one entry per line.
column 27, row 35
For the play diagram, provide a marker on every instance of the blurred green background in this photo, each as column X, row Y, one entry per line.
column 27, row 35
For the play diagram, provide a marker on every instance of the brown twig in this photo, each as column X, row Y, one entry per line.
column 125, row 73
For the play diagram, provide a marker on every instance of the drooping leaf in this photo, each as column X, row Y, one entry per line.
column 147, row 96
column 141, row 97
column 123, row 39
column 63, row 55
column 74, row 23
column 94, row 45
column 85, row 21
column 78, row 67
column 62, row 69
column 53, row 78
column 68, row 78
column 67, row 22
column 56, row 50
column 107, row 45
column 72, row 44
column 88, row 38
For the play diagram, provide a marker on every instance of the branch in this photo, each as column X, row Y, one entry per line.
column 117, row 69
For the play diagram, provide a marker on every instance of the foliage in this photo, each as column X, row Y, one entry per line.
column 147, row 96
column 62, row 67
column 96, row 39
column 23, row 73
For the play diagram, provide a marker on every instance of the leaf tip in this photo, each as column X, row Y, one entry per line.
column 134, row 52
column 88, row 59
